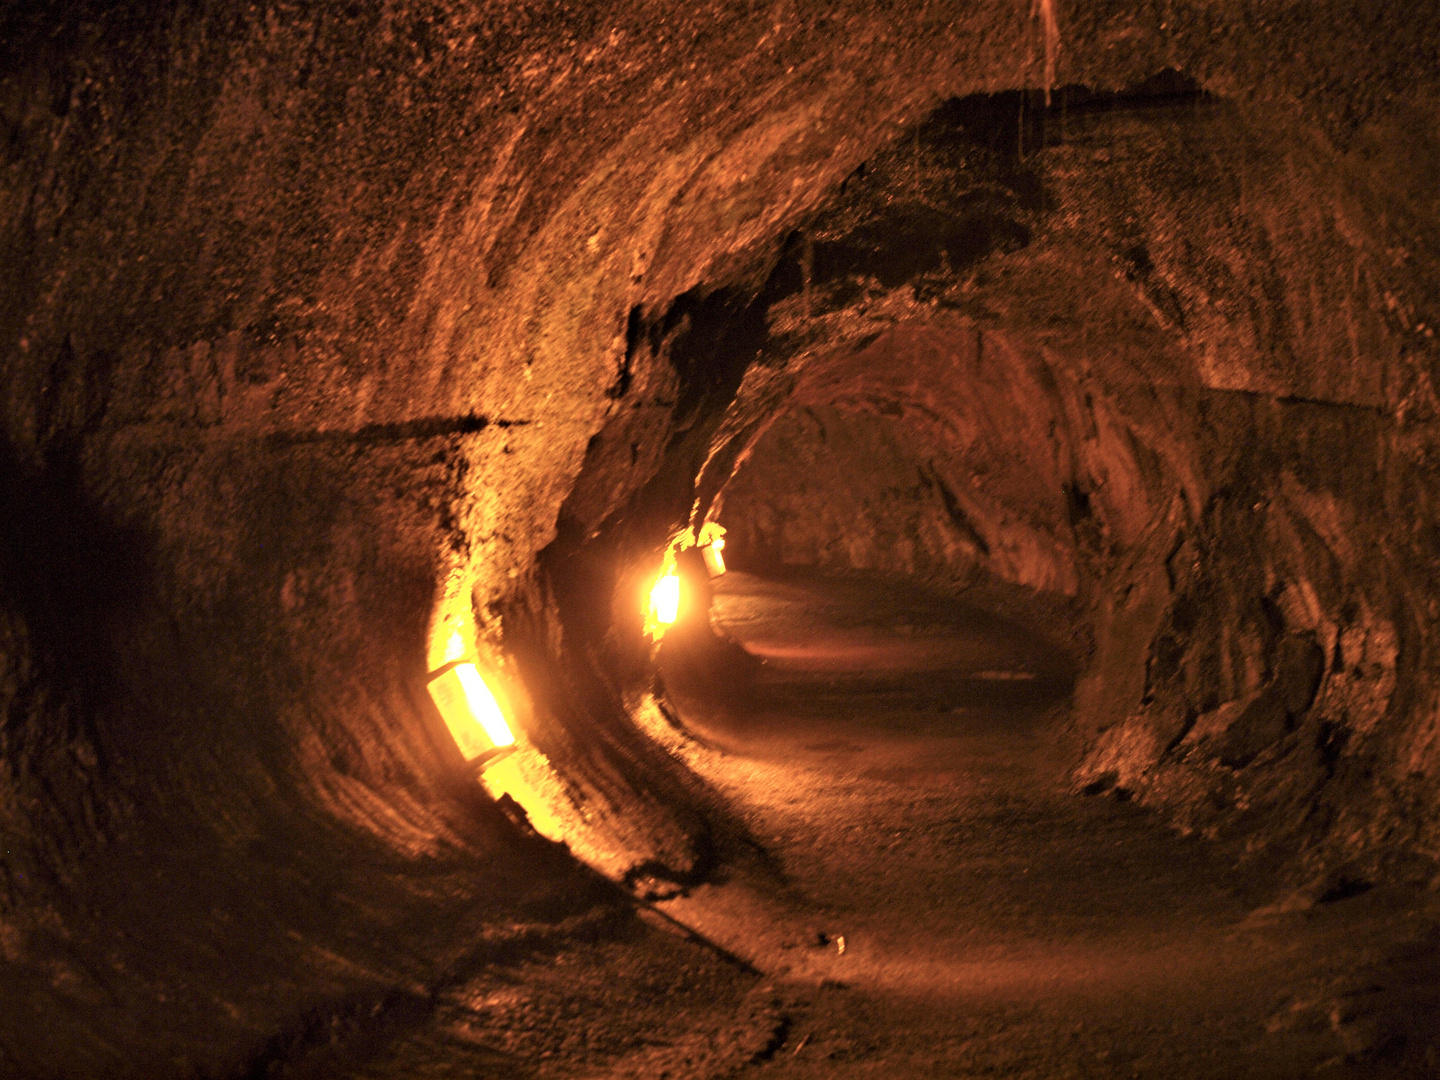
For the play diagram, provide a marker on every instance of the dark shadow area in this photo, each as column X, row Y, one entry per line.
column 861, row 651
column 71, row 571
column 899, row 754
column 801, row 660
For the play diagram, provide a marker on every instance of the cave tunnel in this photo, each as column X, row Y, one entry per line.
column 1053, row 381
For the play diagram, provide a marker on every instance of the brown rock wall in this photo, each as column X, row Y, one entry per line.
column 313, row 309
column 1173, row 386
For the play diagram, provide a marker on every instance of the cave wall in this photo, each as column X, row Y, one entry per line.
column 319, row 311
column 939, row 451
column 1176, row 386
column 878, row 508
column 317, row 315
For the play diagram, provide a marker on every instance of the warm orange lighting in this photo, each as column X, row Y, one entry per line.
column 665, row 599
column 470, row 711
column 663, row 609
column 712, row 543
column 714, row 561
column 455, row 647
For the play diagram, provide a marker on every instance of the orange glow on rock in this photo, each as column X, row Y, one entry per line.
column 711, row 542
column 714, row 561
column 455, row 647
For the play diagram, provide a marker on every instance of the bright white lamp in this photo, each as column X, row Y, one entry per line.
column 471, row 712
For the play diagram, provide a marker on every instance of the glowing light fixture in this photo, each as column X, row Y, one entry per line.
column 664, row 602
column 714, row 561
column 471, row 713
column 665, row 599
column 711, row 542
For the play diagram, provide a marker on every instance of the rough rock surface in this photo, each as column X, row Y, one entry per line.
column 1237, row 506
column 319, row 319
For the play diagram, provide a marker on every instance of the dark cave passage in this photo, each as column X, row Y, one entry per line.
column 901, row 758
column 1063, row 380
column 865, row 650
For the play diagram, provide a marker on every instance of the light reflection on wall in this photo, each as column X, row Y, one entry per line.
column 478, row 705
column 714, row 560
column 662, row 603
column 478, row 696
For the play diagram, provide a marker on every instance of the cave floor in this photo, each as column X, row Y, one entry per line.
column 893, row 765
column 927, row 896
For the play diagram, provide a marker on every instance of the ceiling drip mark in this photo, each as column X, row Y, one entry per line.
column 1044, row 10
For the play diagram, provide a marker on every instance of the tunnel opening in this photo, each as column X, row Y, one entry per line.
column 916, row 411
column 855, row 313
column 1047, row 469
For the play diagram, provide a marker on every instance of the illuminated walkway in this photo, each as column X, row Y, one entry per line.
column 939, row 902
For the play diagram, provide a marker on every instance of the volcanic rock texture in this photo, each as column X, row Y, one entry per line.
column 316, row 319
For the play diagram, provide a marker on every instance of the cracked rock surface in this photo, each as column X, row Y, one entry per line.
column 329, row 334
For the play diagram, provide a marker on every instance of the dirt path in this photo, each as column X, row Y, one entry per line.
column 934, row 901
column 898, row 762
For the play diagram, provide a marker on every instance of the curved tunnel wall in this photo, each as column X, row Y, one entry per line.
column 1188, row 429
column 1241, row 662
column 321, row 314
